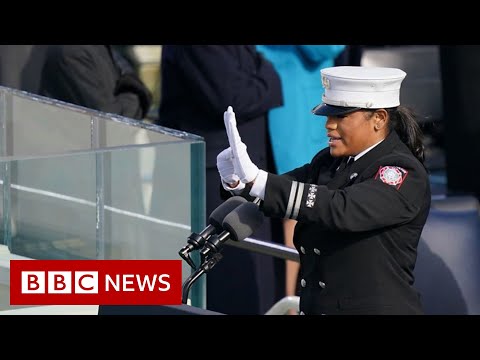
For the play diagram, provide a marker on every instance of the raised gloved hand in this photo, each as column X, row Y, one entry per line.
column 226, row 169
column 246, row 170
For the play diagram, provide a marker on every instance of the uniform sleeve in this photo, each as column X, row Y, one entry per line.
column 217, row 77
column 392, row 194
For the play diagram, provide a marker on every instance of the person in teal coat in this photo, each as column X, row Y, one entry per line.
column 297, row 134
column 293, row 126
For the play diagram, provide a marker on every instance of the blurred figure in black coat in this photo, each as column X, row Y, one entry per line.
column 96, row 77
column 198, row 83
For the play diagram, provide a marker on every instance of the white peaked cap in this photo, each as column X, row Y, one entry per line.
column 349, row 88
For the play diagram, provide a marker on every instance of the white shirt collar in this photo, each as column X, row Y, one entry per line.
column 358, row 156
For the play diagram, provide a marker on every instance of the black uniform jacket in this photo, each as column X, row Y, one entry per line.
column 358, row 228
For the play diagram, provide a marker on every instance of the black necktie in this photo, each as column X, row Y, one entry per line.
column 345, row 163
column 342, row 176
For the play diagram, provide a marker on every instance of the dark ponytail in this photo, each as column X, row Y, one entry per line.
column 404, row 121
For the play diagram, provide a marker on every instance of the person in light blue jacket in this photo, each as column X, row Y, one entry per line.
column 293, row 126
column 296, row 134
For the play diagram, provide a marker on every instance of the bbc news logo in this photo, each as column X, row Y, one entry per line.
column 95, row 282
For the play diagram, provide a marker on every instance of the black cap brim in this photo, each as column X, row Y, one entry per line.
column 330, row 110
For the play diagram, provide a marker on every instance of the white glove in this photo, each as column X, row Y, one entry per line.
column 225, row 167
column 246, row 170
column 226, row 170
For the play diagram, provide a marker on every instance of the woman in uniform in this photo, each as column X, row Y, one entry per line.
column 360, row 204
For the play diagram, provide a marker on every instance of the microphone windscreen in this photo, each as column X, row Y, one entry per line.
column 243, row 221
column 217, row 215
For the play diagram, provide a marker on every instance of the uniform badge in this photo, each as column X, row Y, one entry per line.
column 392, row 175
column 325, row 82
column 312, row 194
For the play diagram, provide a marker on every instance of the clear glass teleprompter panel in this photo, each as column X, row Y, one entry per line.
column 80, row 184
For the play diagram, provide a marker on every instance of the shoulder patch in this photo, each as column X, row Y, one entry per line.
column 392, row 175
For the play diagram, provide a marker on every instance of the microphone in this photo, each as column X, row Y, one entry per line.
column 196, row 241
column 239, row 224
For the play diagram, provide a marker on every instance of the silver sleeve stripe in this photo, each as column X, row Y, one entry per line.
column 291, row 199
column 296, row 209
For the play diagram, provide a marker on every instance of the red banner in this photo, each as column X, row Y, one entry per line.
column 95, row 282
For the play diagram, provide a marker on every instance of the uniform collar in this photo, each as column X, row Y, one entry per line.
column 356, row 157
column 383, row 147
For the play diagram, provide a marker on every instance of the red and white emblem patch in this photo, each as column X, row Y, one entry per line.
column 392, row 175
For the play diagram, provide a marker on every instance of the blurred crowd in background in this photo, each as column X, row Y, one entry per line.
column 20, row 68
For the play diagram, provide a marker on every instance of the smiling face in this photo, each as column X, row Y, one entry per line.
column 352, row 133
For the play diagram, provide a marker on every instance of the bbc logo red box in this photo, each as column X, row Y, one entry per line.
column 95, row 282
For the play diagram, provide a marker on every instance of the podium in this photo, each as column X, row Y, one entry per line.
column 79, row 184
column 153, row 310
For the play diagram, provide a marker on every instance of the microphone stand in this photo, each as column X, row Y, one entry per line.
column 207, row 265
column 195, row 241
